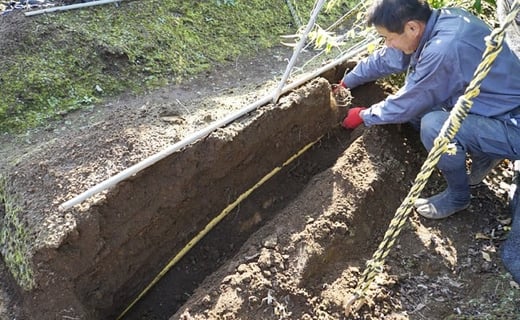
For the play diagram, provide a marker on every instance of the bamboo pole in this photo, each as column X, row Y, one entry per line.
column 298, row 49
column 110, row 182
column 69, row 7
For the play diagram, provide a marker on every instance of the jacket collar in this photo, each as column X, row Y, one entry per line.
column 427, row 31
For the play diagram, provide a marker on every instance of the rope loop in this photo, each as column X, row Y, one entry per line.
column 490, row 40
column 440, row 144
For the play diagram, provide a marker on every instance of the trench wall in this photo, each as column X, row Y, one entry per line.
column 310, row 255
column 123, row 242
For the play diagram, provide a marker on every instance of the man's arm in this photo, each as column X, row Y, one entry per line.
column 381, row 63
column 436, row 78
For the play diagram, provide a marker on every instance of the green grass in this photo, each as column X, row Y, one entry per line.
column 68, row 60
column 14, row 240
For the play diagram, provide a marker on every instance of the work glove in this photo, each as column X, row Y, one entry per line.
column 337, row 87
column 353, row 119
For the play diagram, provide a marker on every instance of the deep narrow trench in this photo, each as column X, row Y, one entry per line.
column 124, row 241
column 222, row 243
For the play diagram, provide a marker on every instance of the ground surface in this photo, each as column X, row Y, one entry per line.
column 304, row 262
column 438, row 269
column 87, row 147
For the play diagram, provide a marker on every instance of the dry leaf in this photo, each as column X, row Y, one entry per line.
column 486, row 256
column 482, row 236
column 419, row 307
column 505, row 221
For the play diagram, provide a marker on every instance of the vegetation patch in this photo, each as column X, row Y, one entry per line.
column 14, row 240
column 69, row 60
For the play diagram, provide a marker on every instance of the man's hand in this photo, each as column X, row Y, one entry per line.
column 337, row 87
column 353, row 119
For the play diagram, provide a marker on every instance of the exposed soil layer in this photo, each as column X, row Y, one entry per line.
column 304, row 262
column 256, row 210
column 107, row 250
column 174, row 200
column 292, row 249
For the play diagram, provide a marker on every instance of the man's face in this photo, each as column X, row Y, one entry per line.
column 408, row 41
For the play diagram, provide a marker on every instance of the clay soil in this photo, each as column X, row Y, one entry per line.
column 296, row 248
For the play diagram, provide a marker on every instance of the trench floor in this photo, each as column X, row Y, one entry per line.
column 174, row 289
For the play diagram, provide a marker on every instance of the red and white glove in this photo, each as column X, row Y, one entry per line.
column 338, row 87
column 353, row 119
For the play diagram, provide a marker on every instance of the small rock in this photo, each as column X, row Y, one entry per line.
column 271, row 242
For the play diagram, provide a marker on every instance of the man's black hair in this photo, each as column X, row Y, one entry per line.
column 394, row 14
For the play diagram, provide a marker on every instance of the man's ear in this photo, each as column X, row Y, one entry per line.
column 413, row 26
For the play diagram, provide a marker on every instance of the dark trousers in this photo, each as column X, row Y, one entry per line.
column 511, row 247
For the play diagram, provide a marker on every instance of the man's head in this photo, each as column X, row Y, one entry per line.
column 400, row 22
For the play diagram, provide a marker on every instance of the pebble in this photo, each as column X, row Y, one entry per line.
column 271, row 242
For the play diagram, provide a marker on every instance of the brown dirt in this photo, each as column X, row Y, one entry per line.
column 294, row 249
column 305, row 263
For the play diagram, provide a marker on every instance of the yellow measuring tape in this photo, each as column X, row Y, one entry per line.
column 212, row 224
column 441, row 145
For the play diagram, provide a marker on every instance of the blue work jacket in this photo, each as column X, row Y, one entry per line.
column 439, row 71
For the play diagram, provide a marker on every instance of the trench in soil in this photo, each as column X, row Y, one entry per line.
column 122, row 243
column 223, row 242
